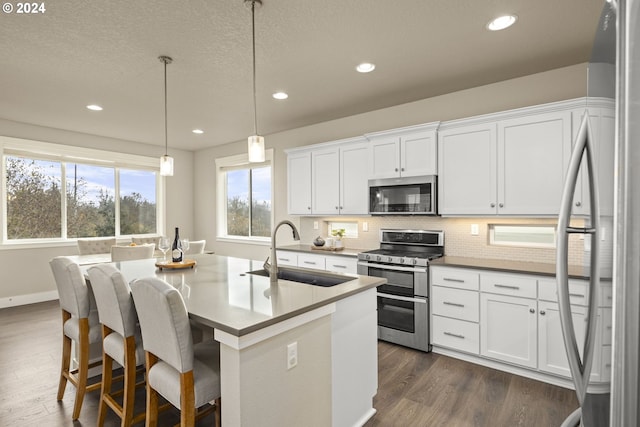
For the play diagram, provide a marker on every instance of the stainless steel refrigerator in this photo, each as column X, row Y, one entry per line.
column 612, row 230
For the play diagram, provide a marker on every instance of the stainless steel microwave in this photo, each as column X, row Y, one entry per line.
column 414, row 195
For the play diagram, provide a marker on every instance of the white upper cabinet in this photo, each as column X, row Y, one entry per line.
column 329, row 179
column 511, row 163
column 404, row 152
column 467, row 170
column 602, row 117
column 533, row 155
column 299, row 183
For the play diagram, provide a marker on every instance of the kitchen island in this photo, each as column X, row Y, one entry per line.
column 291, row 353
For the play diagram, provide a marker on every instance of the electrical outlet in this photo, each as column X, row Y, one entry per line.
column 474, row 230
column 292, row 355
column 365, row 226
column 315, row 225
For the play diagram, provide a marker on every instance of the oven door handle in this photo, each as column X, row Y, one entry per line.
column 394, row 267
column 401, row 298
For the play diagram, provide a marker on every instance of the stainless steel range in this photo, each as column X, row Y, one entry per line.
column 403, row 302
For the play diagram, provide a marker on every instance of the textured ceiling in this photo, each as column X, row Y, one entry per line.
column 105, row 52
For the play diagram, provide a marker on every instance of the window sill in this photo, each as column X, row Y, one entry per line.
column 260, row 241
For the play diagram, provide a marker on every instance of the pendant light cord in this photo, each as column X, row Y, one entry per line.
column 253, row 39
column 165, row 108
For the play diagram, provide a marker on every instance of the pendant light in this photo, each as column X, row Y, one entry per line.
column 255, row 143
column 166, row 162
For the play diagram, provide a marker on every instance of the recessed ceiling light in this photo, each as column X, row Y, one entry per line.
column 366, row 67
column 502, row 22
column 198, row 131
column 280, row 95
column 94, row 107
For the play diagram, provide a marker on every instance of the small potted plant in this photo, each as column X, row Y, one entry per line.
column 338, row 233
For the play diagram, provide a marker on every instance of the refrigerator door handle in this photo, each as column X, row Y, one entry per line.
column 582, row 150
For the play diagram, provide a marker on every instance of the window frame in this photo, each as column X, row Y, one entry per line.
column 239, row 161
column 523, row 244
column 39, row 150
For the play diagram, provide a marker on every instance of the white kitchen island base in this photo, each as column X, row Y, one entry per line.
column 333, row 382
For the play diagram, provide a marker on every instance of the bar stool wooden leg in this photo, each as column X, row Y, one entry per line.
column 152, row 395
column 129, row 380
column 187, row 400
column 218, row 414
column 66, row 357
column 83, row 366
column 107, row 379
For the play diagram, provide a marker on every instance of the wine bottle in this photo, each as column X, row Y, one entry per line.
column 176, row 248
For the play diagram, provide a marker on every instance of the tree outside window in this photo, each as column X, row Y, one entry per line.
column 36, row 210
column 249, row 202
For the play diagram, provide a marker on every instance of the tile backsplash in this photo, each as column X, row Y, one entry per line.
column 457, row 232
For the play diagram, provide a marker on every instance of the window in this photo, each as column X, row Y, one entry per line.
column 350, row 228
column 102, row 196
column 535, row 236
column 244, row 198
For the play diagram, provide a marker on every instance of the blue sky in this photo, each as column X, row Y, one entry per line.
column 238, row 184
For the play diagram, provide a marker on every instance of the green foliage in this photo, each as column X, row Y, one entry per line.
column 238, row 217
column 338, row 232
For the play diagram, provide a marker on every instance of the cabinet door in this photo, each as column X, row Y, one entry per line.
column 467, row 170
column 418, row 154
column 552, row 356
column 603, row 127
column 299, row 183
column 325, row 182
column 384, row 158
column 354, row 189
column 508, row 329
column 533, row 155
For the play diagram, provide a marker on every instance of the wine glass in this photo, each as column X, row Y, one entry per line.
column 185, row 246
column 164, row 246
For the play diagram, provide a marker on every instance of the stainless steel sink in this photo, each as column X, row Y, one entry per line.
column 308, row 277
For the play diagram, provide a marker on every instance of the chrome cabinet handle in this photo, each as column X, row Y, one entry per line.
column 493, row 205
column 396, row 169
column 402, row 169
column 576, row 295
column 451, row 334
column 515, row 288
column 309, row 262
column 542, row 312
column 336, row 208
column 455, row 304
column 531, row 310
column 284, row 259
column 309, row 207
column 501, row 205
column 339, row 266
column 447, row 279
column 578, row 204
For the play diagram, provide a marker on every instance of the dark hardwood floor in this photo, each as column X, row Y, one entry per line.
column 415, row 388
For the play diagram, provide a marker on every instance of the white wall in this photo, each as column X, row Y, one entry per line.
column 26, row 276
column 555, row 85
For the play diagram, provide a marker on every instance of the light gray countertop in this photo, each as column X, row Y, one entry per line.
column 219, row 293
column 539, row 268
column 350, row 252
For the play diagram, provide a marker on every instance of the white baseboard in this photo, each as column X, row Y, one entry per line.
column 28, row 299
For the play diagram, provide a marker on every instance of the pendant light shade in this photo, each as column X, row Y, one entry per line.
column 255, row 146
column 166, row 162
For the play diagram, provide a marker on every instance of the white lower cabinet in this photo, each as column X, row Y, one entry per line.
column 333, row 263
column 514, row 319
column 508, row 329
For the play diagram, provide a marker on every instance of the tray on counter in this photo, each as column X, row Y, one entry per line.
column 325, row 248
column 187, row 263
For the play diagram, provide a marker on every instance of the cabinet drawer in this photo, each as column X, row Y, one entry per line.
column 578, row 291
column 311, row 261
column 287, row 258
column 505, row 284
column 456, row 334
column 460, row 278
column 341, row 264
column 456, row 303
